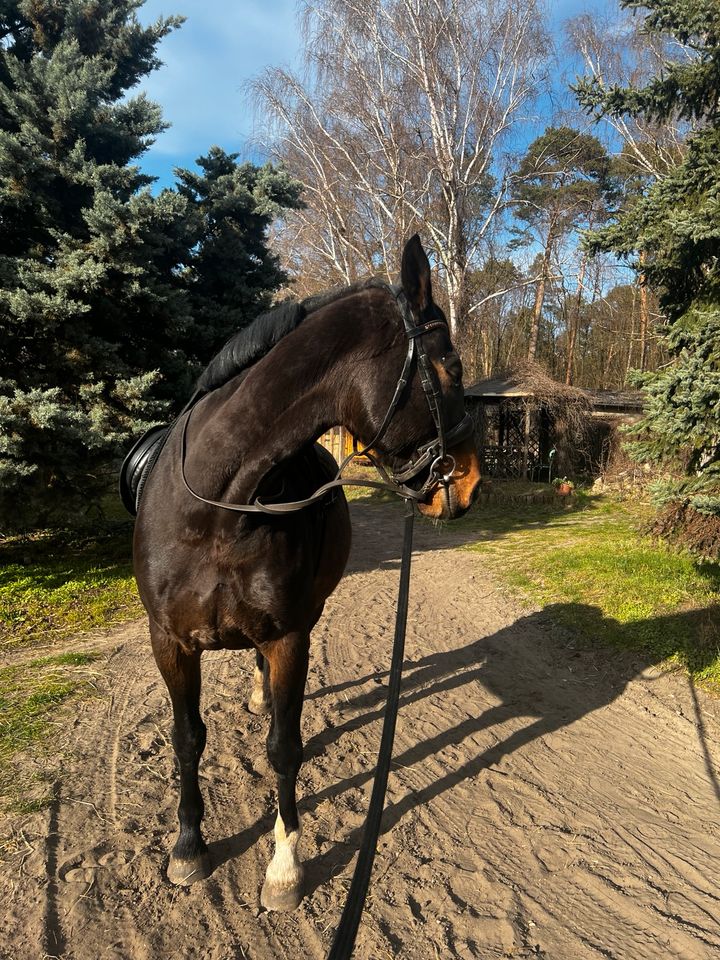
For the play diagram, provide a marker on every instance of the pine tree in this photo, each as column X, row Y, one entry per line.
column 561, row 180
column 676, row 224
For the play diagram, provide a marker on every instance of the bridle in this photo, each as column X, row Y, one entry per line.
column 433, row 454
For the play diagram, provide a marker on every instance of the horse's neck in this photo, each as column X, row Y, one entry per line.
column 286, row 401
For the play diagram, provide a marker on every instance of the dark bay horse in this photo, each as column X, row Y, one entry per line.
column 214, row 579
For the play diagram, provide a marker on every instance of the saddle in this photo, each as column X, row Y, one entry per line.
column 142, row 457
column 138, row 464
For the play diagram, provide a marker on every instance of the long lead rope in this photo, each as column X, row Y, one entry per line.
column 346, row 933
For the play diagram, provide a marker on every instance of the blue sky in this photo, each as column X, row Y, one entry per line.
column 209, row 60
column 207, row 63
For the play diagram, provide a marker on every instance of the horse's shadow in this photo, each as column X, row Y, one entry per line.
column 568, row 684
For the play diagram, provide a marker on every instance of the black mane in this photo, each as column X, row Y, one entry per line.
column 253, row 342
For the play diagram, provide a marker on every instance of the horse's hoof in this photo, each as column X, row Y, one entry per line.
column 258, row 705
column 282, row 899
column 184, row 872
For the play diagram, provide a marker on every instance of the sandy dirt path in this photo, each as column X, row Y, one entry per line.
column 544, row 801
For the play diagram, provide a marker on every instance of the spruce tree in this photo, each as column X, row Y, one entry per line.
column 78, row 299
column 230, row 272
column 676, row 224
column 110, row 298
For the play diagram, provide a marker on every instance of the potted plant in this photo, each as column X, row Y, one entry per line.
column 563, row 486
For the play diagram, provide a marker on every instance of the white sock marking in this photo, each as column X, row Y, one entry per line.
column 257, row 697
column 284, row 870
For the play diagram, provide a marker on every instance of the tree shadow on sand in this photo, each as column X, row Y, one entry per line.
column 529, row 667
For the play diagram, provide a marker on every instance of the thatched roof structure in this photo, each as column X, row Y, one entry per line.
column 524, row 419
column 528, row 380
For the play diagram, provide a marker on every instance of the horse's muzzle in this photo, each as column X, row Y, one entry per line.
column 448, row 501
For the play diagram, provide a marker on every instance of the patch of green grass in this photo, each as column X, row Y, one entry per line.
column 58, row 582
column 597, row 574
column 30, row 694
column 370, row 495
column 53, row 584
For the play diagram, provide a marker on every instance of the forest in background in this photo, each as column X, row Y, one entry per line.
column 458, row 121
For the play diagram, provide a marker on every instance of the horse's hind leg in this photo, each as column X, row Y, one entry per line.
column 259, row 701
column 288, row 662
column 189, row 860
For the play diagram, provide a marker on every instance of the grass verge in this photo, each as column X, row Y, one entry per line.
column 58, row 582
column 591, row 565
column 53, row 585
column 30, row 694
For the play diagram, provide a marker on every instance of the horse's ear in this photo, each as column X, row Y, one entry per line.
column 415, row 275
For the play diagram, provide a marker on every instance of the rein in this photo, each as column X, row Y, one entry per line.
column 344, row 941
column 433, row 453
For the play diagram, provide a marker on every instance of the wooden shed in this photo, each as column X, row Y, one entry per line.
column 617, row 404
column 338, row 441
column 513, row 433
column 528, row 425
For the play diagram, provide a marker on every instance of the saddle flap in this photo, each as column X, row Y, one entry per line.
column 137, row 465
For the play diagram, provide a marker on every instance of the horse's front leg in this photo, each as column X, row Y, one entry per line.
column 288, row 663
column 189, row 860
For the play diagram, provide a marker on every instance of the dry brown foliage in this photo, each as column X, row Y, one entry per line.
column 681, row 524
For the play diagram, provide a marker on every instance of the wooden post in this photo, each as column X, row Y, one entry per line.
column 644, row 313
column 526, row 442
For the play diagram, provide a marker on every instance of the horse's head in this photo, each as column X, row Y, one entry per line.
column 428, row 442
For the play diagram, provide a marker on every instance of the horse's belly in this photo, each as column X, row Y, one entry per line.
column 209, row 639
column 231, row 589
column 211, row 612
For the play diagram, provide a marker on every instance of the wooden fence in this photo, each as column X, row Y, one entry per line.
column 338, row 441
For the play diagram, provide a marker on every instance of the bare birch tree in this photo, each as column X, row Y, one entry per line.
column 397, row 125
column 616, row 51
